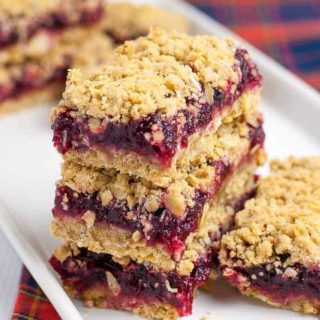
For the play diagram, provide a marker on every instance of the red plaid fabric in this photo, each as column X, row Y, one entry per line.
column 287, row 30
column 31, row 303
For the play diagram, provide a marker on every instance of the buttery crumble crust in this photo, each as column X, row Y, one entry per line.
column 154, row 74
column 216, row 218
column 283, row 219
column 125, row 21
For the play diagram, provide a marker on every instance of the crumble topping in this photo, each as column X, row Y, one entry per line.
column 211, row 58
column 154, row 74
column 283, row 220
column 132, row 88
column 125, row 21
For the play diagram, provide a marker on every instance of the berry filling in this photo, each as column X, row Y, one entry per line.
column 133, row 285
column 54, row 21
column 280, row 284
column 142, row 136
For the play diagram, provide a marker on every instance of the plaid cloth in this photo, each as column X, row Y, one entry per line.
column 31, row 303
column 287, row 30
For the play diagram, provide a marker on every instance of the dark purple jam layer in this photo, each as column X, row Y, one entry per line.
column 54, row 21
column 277, row 284
column 31, row 80
column 138, row 285
column 71, row 133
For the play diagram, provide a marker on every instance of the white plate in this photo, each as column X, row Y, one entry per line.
column 29, row 167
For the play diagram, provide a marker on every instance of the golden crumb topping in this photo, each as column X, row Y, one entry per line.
column 282, row 220
column 125, row 21
column 211, row 58
column 132, row 88
column 156, row 73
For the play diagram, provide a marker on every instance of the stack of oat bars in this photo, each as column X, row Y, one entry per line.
column 160, row 151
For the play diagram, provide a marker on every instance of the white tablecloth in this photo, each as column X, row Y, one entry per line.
column 10, row 268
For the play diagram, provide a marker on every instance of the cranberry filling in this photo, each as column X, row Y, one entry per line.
column 280, row 285
column 137, row 283
column 53, row 22
column 70, row 133
column 31, row 80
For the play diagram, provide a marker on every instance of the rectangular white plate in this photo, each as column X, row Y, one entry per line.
column 29, row 167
